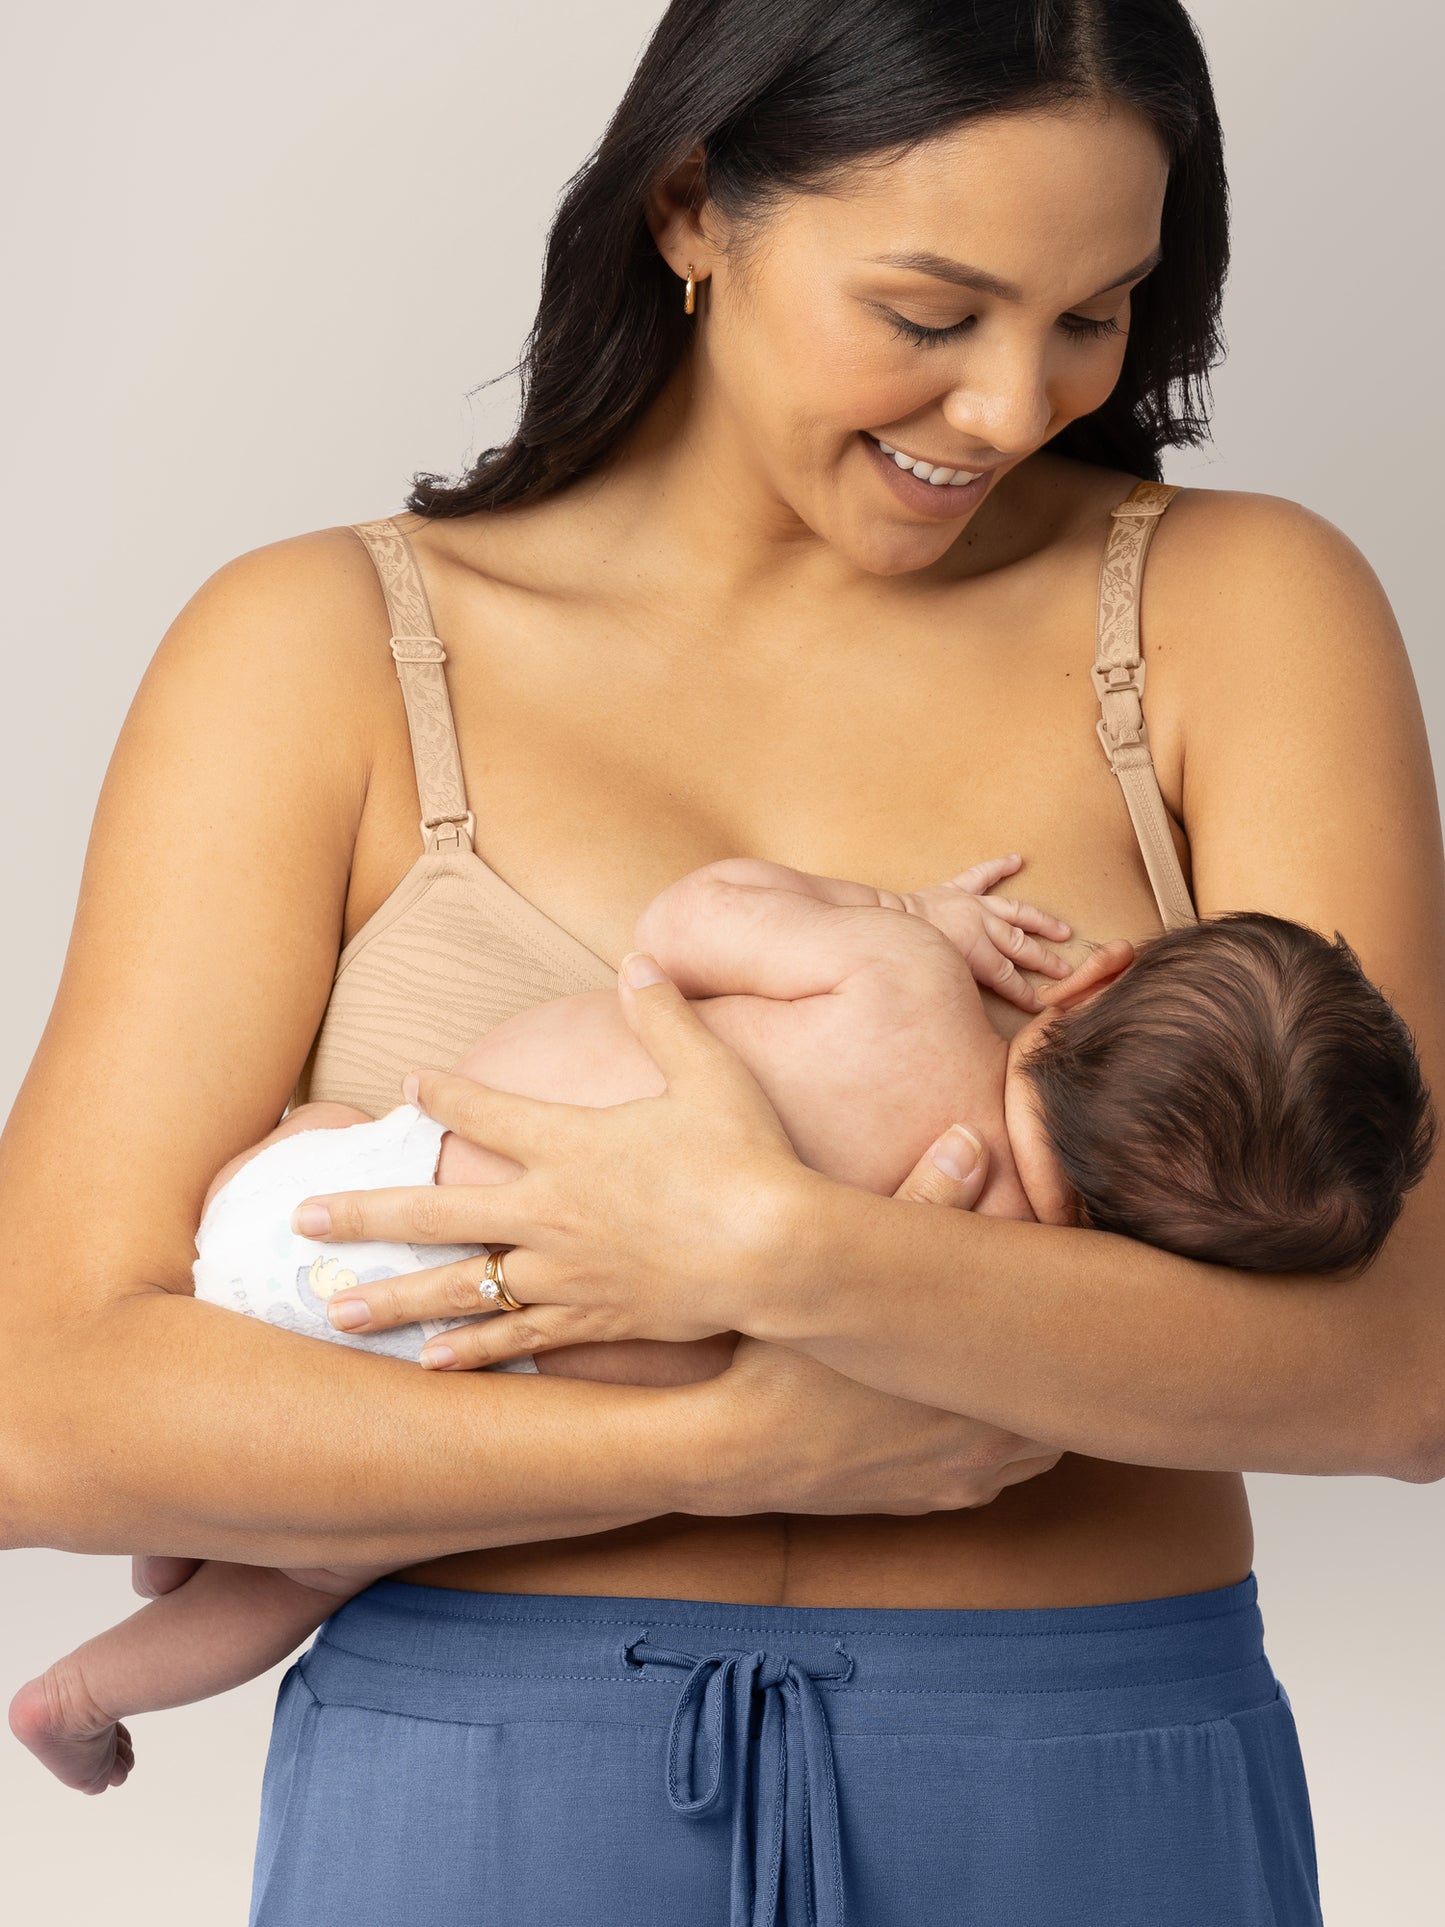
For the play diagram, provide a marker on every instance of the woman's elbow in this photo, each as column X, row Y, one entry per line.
column 1422, row 1461
column 1409, row 1432
column 72, row 1430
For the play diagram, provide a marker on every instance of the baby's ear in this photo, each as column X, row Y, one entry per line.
column 1103, row 965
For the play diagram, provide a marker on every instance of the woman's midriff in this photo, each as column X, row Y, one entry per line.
column 1087, row 1532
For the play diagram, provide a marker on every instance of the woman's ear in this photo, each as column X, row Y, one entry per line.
column 673, row 211
column 1103, row 966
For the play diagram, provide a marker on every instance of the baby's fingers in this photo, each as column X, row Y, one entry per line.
column 1004, row 981
column 982, row 876
column 1025, row 951
column 1027, row 916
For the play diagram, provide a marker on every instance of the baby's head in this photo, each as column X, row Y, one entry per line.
column 1236, row 1090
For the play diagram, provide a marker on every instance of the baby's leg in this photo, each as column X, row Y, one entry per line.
column 225, row 1625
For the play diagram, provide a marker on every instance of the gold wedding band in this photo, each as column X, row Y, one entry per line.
column 494, row 1285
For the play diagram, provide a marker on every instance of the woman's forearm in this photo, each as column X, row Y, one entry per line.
column 176, row 1426
column 1114, row 1349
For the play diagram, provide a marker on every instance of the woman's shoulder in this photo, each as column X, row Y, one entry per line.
column 303, row 615
column 1215, row 530
column 1243, row 579
column 321, row 579
column 1253, row 530
column 1273, row 646
column 1257, row 614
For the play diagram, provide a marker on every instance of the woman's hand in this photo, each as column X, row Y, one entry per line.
column 780, row 1432
column 651, row 1219
column 836, row 1446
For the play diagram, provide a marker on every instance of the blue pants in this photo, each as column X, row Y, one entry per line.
column 459, row 1759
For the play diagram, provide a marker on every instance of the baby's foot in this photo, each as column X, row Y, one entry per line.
column 63, row 1727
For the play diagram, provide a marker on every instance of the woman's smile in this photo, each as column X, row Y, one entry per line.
column 948, row 501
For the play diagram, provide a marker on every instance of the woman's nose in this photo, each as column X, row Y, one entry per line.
column 1003, row 402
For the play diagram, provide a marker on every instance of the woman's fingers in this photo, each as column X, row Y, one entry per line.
column 662, row 1020
column 418, row 1214
column 511, row 1334
column 951, row 1171
column 519, row 1127
column 441, row 1291
column 670, row 1030
column 522, row 1128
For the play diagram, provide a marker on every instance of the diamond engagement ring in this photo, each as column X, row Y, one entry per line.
column 494, row 1285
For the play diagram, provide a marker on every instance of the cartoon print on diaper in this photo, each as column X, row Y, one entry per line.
column 318, row 1282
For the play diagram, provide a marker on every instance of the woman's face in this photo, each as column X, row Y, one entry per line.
column 961, row 303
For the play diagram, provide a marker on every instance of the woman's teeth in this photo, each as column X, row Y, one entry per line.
column 926, row 472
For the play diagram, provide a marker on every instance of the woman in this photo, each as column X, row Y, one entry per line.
column 937, row 1604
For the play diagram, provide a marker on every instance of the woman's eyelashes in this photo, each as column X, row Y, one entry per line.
column 1076, row 325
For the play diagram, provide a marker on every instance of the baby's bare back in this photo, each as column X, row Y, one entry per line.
column 864, row 1074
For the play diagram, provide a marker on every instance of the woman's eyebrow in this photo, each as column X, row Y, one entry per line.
column 981, row 282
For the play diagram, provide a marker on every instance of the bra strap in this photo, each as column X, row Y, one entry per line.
column 1118, row 676
column 446, row 822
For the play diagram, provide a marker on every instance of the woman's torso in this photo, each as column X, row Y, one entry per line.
column 612, row 738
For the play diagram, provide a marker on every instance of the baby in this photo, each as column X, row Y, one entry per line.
column 1236, row 1091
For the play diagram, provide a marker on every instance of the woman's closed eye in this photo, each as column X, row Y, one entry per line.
column 1077, row 325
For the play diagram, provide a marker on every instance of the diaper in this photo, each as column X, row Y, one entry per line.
column 250, row 1260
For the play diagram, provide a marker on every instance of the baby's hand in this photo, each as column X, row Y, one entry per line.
column 996, row 935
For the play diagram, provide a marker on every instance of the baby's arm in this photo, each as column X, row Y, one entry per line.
column 745, row 926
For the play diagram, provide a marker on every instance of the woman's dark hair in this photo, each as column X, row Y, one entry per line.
column 783, row 95
column 1242, row 1094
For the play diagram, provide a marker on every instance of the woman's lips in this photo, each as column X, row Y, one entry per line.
column 941, row 502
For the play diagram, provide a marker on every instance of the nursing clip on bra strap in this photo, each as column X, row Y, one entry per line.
column 1118, row 677
column 446, row 822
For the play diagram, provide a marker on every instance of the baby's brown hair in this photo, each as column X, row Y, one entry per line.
column 1243, row 1094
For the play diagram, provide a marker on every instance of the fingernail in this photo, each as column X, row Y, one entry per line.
column 640, row 970
column 438, row 1355
column 311, row 1220
column 350, row 1313
column 957, row 1152
column 410, row 1085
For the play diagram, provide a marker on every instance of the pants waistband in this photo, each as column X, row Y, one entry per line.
column 451, row 1654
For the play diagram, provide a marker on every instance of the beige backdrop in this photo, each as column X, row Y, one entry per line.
column 261, row 254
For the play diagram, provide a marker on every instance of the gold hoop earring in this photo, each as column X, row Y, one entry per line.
column 689, row 299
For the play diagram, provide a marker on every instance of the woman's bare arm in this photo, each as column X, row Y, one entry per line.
column 202, row 953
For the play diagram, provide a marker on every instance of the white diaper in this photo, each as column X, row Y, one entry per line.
column 250, row 1260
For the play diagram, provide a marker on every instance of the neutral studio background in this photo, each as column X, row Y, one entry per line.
column 261, row 259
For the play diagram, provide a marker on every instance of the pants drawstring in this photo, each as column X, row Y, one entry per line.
column 716, row 1706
